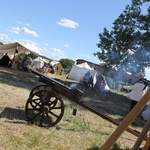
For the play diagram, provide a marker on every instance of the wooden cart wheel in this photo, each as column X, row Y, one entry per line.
column 44, row 108
column 39, row 87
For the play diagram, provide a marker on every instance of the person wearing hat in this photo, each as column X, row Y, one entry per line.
column 137, row 90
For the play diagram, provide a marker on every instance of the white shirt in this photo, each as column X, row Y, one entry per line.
column 137, row 91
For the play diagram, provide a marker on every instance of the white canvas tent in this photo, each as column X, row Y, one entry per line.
column 12, row 47
column 38, row 62
column 77, row 72
column 54, row 62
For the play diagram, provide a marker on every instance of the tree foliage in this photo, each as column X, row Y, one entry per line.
column 66, row 64
column 127, row 45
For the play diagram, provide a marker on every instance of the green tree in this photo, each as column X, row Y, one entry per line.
column 127, row 45
column 66, row 64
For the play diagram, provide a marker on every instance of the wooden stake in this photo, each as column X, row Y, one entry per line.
column 125, row 123
column 142, row 135
column 147, row 144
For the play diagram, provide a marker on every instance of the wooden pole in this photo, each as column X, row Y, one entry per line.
column 142, row 135
column 125, row 123
column 147, row 144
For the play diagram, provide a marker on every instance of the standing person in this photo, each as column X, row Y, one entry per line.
column 99, row 81
column 85, row 79
column 45, row 68
column 138, row 90
column 90, row 82
column 25, row 64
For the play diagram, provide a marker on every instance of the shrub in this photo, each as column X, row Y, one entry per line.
column 110, row 82
column 115, row 85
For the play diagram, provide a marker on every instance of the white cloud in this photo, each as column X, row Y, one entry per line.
column 97, row 61
column 19, row 22
column 67, row 23
column 90, row 58
column 27, row 24
column 26, row 30
column 17, row 30
column 31, row 45
column 66, row 45
column 56, row 53
column 5, row 38
column 85, row 56
column 53, row 53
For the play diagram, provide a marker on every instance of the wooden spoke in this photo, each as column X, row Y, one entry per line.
column 44, row 108
column 39, row 87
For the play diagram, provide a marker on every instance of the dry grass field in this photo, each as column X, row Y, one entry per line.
column 85, row 131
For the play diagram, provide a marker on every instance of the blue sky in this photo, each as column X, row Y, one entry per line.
column 59, row 28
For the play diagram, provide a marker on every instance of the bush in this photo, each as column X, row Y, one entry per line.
column 115, row 85
column 110, row 83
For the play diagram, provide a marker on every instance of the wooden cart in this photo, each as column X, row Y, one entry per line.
column 45, row 106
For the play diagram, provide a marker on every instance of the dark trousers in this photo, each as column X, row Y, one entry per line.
column 133, row 103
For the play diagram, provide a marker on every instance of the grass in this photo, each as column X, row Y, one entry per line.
column 85, row 131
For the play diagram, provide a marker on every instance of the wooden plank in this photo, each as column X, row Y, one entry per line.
column 142, row 135
column 147, row 144
column 125, row 123
column 106, row 117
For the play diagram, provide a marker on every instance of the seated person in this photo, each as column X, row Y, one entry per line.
column 5, row 60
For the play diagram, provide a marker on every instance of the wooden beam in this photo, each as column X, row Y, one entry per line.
column 147, row 144
column 125, row 123
column 142, row 135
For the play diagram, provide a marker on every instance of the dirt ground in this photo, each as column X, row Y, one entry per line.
column 109, row 105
